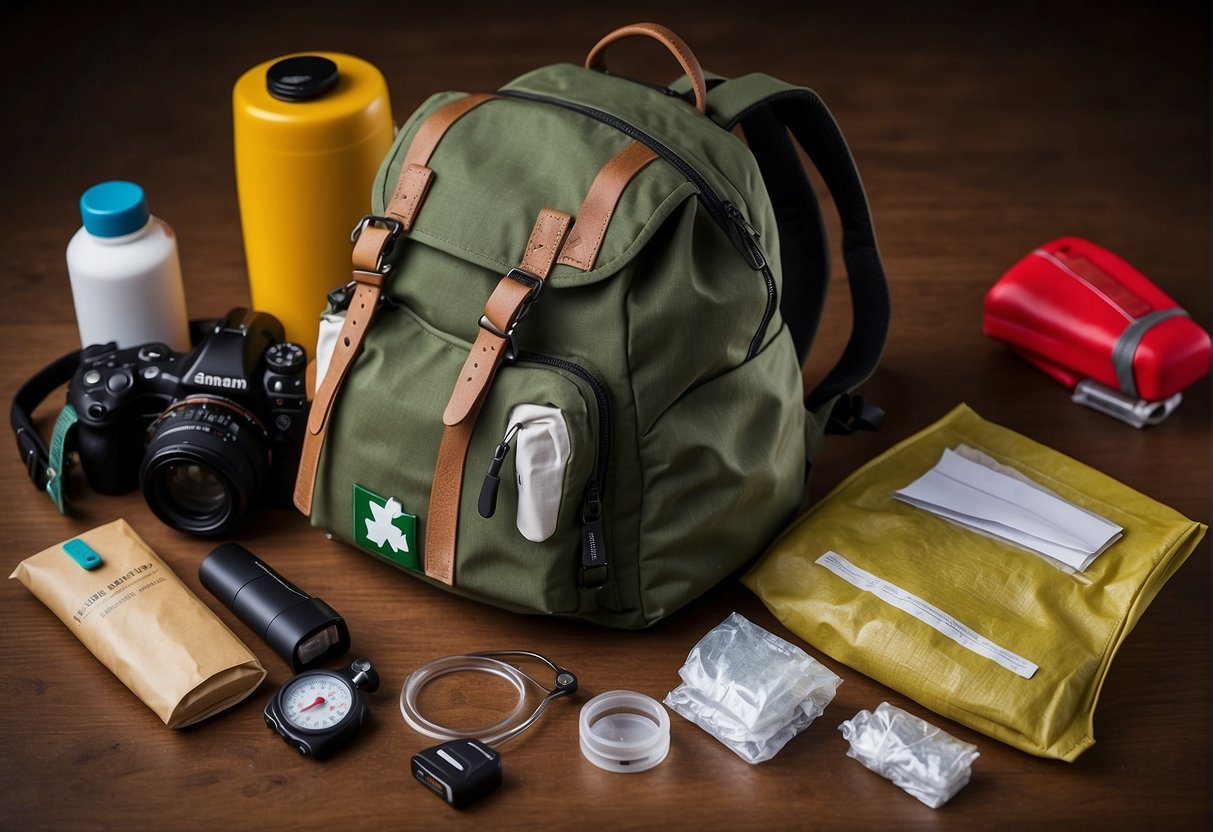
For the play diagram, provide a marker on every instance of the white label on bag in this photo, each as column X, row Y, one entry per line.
column 926, row 613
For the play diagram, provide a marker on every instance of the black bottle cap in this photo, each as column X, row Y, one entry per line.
column 301, row 78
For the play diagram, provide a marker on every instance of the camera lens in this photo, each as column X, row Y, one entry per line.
column 205, row 462
column 194, row 487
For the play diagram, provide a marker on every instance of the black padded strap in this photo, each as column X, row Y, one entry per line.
column 804, row 114
column 803, row 251
column 33, row 450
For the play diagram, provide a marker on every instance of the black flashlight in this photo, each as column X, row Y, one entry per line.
column 301, row 629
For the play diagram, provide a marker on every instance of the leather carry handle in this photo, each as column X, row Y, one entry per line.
column 676, row 45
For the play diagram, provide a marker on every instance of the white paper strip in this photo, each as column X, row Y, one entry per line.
column 926, row 613
column 987, row 500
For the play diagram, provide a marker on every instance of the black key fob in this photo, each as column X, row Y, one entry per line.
column 460, row 771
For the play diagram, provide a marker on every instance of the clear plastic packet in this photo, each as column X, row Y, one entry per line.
column 750, row 689
column 922, row 759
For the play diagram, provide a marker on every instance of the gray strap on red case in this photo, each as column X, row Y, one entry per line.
column 1127, row 343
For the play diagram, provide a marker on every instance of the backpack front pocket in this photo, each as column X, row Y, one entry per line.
column 378, row 463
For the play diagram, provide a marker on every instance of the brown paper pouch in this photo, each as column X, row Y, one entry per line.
column 138, row 618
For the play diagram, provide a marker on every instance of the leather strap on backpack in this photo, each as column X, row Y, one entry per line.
column 373, row 238
column 581, row 249
column 506, row 306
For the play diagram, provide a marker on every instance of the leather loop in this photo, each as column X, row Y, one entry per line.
column 349, row 342
column 371, row 246
column 410, row 192
column 581, row 249
column 676, row 45
column 544, row 243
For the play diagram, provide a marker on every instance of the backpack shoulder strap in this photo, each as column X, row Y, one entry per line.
column 767, row 109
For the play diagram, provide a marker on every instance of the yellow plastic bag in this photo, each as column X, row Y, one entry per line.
column 1068, row 624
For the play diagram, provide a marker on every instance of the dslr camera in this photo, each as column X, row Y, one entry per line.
column 205, row 434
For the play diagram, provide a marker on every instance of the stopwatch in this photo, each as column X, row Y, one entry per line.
column 318, row 711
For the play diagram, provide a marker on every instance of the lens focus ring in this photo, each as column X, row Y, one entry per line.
column 205, row 462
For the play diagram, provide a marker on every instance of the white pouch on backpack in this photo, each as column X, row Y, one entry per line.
column 540, row 456
column 326, row 342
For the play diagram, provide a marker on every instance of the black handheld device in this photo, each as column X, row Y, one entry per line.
column 300, row 628
column 460, row 771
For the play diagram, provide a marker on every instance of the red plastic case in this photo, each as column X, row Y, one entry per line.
column 1078, row 311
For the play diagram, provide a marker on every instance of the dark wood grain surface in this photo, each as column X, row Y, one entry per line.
column 980, row 133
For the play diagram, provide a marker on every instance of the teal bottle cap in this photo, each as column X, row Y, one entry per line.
column 113, row 209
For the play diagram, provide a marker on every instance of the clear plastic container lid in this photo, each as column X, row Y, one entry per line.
column 624, row 731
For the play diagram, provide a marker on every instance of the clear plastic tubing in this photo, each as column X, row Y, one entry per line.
column 624, row 731
column 514, row 723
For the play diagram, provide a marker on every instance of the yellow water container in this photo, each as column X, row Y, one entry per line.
column 310, row 132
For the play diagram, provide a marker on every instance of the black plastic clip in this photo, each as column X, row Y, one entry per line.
column 851, row 413
column 35, row 458
column 594, row 569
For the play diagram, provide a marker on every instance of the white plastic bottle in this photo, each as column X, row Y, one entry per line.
column 125, row 271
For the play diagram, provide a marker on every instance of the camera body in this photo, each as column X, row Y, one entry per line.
column 205, row 434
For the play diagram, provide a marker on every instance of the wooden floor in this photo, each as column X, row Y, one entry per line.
column 980, row 134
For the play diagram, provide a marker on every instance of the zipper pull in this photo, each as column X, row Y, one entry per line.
column 488, row 492
column 745, row 237
column 593, row 572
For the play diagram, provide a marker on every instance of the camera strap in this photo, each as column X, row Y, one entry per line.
column 60, row 456
column 45, row 467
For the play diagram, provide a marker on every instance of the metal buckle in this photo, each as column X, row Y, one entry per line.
column 511, row 348
column 395, row 228
column 532, row 282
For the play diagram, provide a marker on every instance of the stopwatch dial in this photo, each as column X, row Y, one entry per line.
column 317, row 702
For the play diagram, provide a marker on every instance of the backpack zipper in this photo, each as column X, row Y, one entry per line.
column 487, row 504
column 727, row 215
column 593, row 569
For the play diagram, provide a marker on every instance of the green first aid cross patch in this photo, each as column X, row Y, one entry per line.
column 382, row 526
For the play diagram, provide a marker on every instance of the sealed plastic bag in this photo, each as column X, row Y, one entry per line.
column 981, row 631
column 750, row 689
column 921, row 759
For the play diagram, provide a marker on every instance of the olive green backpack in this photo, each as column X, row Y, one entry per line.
column 601, row 272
